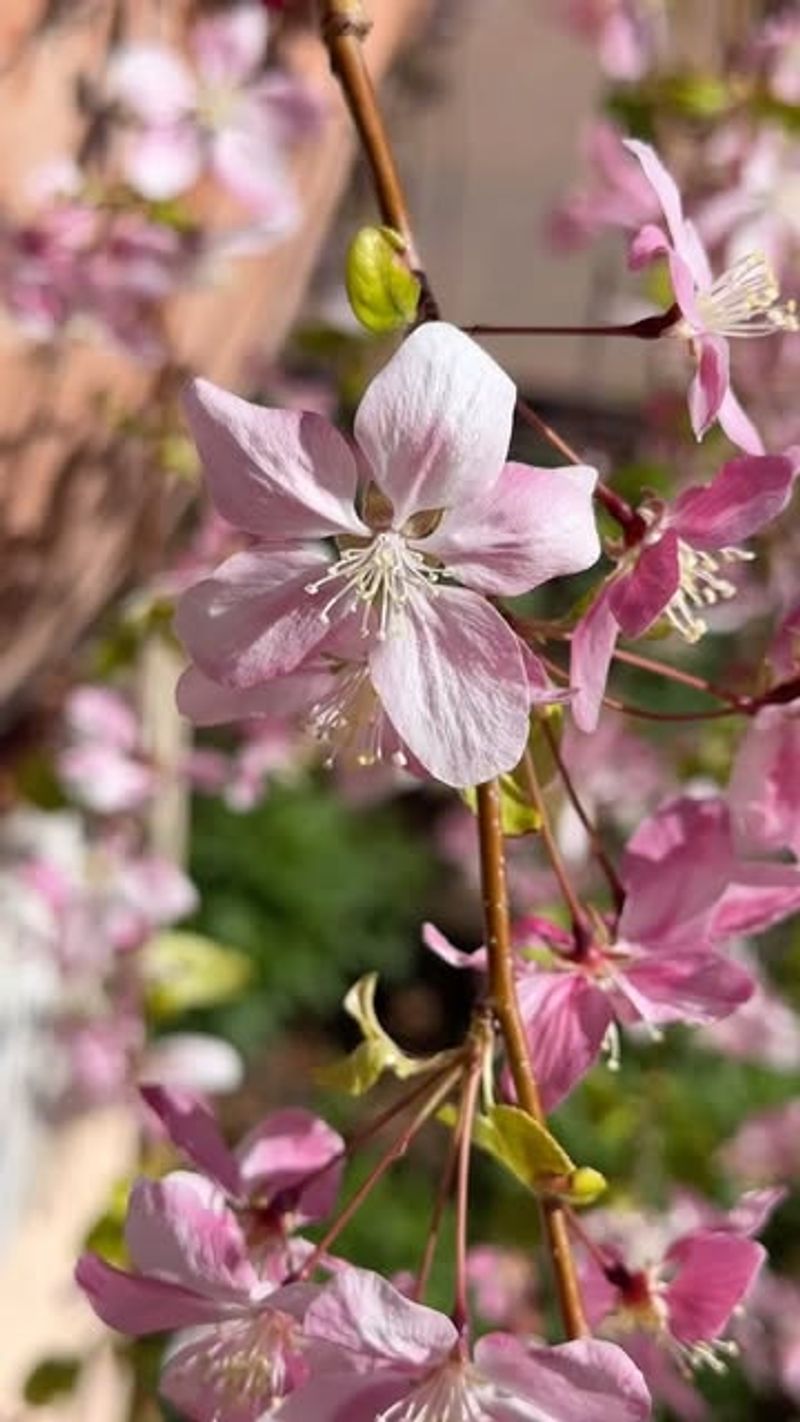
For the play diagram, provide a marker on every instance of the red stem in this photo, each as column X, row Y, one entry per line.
column 649, row 328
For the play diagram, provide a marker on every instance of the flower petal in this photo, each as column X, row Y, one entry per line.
column 208, row 703
column 162, row 162
column 151, row 82
column 640, row 596
column 229, row 47
column 179, row 1229
column 287, row 1154
column 248, row 163
column 584, row 1381
column 281, row 474
column 566, row 1018
column 689, row 987
column 444, row 949
column 715, row 1271
column 748, row 493
column 591, row 650
column 530, row 526
column 254, row 619
column 738, row 426
column 758, row 895
column 763, row 787
column 453, row 684
column 710, row 382
column 675, row 869
column 684, row 237
column 137, row 1305
column 194, row 1130
column 435, row 423
column 364, row 1313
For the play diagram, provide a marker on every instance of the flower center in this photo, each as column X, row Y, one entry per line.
column 450, row 1394
column 744, row 301
column 253, row 1361
column 701, row 586
column 379, row 578
column 351, row 723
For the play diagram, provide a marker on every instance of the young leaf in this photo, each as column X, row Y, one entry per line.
column 383, row 291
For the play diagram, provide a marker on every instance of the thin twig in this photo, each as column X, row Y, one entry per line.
column 580, row 926
column 620, row 510
column 469, row 1102
column 614, row 881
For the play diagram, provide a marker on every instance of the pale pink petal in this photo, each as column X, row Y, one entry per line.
column 152, row 83
column 179, row 1229
column 230, row 46
column 293, row 1153
column 738, row 426
column 292, row 110
column 362, row 1312
column 454, row 686
column 156, row 889
column 160, row 163
column 753, row 1210
column 710, row 382
column 687, row 987
column 247, row 161
column 764, row 785
column 591, row 650
column 254, row 619
column 137, row 1305
column 637, row 598
column 193, row 1061
column 96, row 713
column 675, row 869
column 208, row 703
column 530, row 526
column 447, row 951
column 664, row 1378
column 748, row 493
column 435, row 423
column 714, row 1272
column 281, row 474
column 238, row 1370
column 585, row 1381
column 684, row 239
column 99, row 777
column 193, row 1129
column 347, row 1397
column 566, row 1017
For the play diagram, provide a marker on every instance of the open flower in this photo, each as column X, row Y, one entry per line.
column 401, row 612
column 404, row 1362
column 743, row 301
column 676, row 567
column 226, row 116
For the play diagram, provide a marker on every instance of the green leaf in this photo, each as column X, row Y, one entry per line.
column 356, row 1073
column 378, row 1053
column 187, row 970
column 51, row 1379
column 531, row 1154
column 383, row 291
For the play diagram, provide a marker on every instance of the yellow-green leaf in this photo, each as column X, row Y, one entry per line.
column 187, row 970
column 382, row 289
column 356, row 1073
column 378, row 1052
column 534, row 1156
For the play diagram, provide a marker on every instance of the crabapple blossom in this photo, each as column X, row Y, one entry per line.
column 616, row 195
column 422, row 660
column 675, row 566
column 626, row 36
column 407, row 1363
column 758, row 210
column 102, row 765
column 743, row 301
column 225, row 116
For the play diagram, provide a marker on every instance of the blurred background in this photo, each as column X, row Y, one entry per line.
column 195, row 905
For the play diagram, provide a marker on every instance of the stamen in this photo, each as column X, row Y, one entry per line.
column 701, row 586
column 714, row 1354
column 382, row 575
column 350, row 721
column 744, row 301
column 449, row 1394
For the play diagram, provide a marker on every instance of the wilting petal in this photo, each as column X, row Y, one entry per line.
column 566, row 1018
column 229, row 47
column 640, row 596
column 714, row 1272
column 254, row 619
column 746, row 494
column 591, row 650
column 137, row 1305
column 281, row 474
column 453, row 683
column 151, row 82
column 160, row 163
column 531, row 525
column 287, row 1153
column 362, row 1312
column 435, row 423
column 194, row 1130
column 180, row 1230
column 738, row 426
column 585, row 1381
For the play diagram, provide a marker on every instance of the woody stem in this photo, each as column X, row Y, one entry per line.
column 503, row 997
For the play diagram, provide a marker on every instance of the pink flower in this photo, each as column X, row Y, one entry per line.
column 103, row 768
column 504, row 1287
column 416, row 661
column 626, row 33
column 228, row 117
column 767, row 1147
column 758, row 209
column 675, row 566
column 668, row 1292
column 192, row 1270
column 743, row 301
column 765, row 779
column 764, row 1029
column 617, row 194
column 658, row 964
column 403, row 1361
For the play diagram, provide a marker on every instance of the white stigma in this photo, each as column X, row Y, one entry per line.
column 701, row 586
column 744, row 301
column 350, row 721
column 379, row 577
column 450, row 1394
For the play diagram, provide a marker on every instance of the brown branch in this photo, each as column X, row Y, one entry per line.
column 503, row 995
